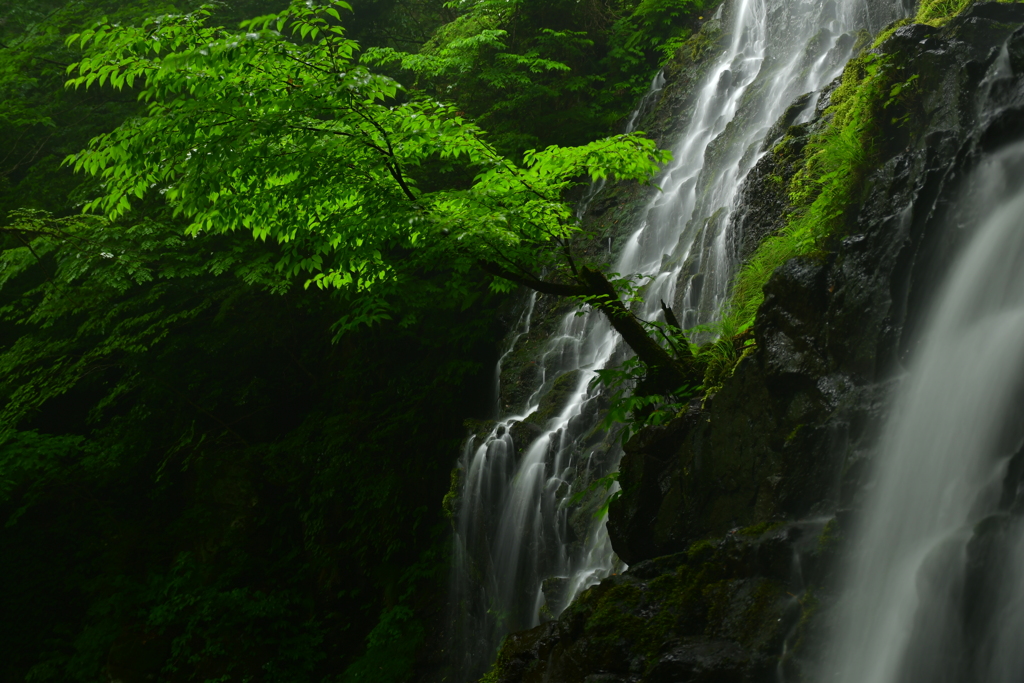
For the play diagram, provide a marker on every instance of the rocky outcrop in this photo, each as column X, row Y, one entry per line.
column 790, row 434
column 832, row 332
column 717, row 612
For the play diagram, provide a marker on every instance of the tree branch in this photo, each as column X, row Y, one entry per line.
column 665, row 372
column 534, row 283
column 41, row 59
column 393, row 166
column 670, row 317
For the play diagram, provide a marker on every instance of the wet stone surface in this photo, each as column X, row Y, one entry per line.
column 714, row 613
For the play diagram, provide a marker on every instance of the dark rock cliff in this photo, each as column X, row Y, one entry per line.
column 724, row 584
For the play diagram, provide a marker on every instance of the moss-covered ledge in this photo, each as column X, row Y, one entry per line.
column 723, row 607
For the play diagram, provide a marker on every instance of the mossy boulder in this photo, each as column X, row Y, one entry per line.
column 713, row 613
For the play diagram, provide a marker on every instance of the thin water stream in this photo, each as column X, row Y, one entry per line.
column 522, row 551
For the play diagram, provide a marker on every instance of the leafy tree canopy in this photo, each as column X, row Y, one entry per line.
column 195, row 483
column 279, row 130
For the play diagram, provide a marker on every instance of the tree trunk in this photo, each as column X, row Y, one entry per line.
column 665, row 374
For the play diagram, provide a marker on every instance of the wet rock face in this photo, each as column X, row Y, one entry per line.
column 685, row 73
column 715, row 613
column 521, row 373
column 789, row 433
column 764, row 198
column 614, row 212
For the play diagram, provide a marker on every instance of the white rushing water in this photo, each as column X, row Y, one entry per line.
column 936, row 590
column 522, row 553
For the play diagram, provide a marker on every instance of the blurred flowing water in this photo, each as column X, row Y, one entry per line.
column 935, row 592
column 522, row 552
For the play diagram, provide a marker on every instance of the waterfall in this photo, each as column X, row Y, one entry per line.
column 522, row 551
column 936, row 588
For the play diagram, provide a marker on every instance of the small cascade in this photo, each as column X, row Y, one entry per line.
column 646, row 103
column 936, row 588
column 779, row 57
column 523, row 551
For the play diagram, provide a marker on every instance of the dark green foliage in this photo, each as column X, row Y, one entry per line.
column 401, row 24
column 634, row 408
column 649, row 31
column 196, row 483
column 390, row 649
column 41, row 122
column 536, row 72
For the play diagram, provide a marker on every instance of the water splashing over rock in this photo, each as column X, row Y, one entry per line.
column 523, row 550
column 935, row 590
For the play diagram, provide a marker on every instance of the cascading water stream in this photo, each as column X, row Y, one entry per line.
column 522, row 551
column 936, row 588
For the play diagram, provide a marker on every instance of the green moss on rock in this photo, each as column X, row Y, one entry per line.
column 555, row 399
column 449, row 504
column 714, row 602
column 760, row 528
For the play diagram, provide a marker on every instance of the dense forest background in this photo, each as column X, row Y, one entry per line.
column 201, row 478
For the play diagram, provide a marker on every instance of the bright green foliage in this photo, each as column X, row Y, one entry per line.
column 294, row 141
column 938, row 12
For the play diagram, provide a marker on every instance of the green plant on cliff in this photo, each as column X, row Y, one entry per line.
column 451, row 499
column 830, row 181
column 632, row 405
column 939, row 12
column 606, row 483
